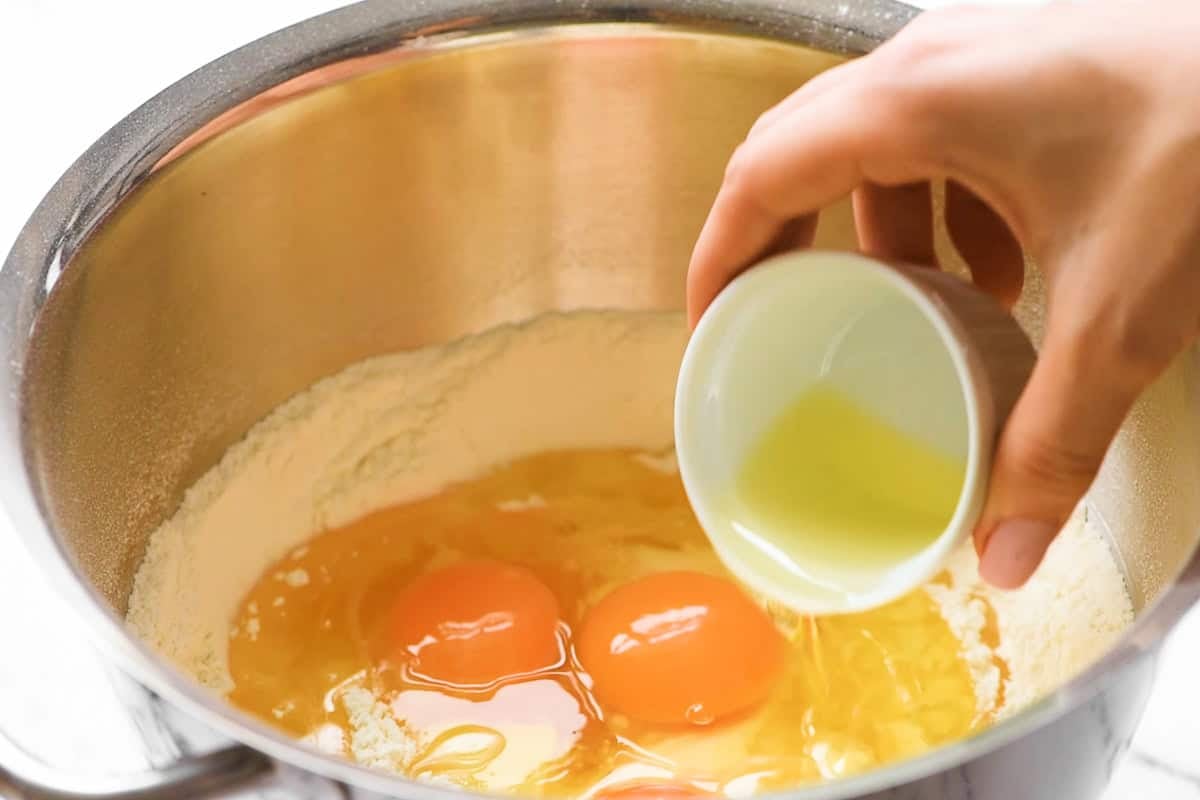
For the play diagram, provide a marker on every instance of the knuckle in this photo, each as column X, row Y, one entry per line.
column 907, row 51
column 1132, row 343
column 929, row 35
column 920, row 95
column 738, row 181
column 1143, row 349
column 763, row 121
column 776, row 112
column 908, row 125
column 922, row 73
column 735, row 168
column 949, row 21
column 918, row 106
column 743, row 184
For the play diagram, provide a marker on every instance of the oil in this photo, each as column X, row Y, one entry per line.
column 838, row 494
column 857, row 691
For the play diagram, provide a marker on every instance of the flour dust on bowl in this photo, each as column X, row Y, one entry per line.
column 384, row 310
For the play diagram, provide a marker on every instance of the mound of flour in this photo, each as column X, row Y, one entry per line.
column 398, row 427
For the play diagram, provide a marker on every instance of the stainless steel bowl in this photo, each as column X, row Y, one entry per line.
column 393, row 175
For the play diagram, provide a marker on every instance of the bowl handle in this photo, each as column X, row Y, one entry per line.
column 236, row 773
column 208, row 775
column 169, row 737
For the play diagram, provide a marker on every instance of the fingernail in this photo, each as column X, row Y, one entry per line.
column 1014, row 550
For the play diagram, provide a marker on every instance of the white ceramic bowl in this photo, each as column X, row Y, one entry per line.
column 919, row 349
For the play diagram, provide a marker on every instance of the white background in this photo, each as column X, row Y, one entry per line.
column 69, row 69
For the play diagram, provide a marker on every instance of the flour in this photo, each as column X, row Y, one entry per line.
column 378, row 740
column 399, row 427
column 967, row 617
column 391, row 429
column 1067, row 616
column 1069, row 613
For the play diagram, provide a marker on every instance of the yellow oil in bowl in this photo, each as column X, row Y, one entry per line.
column 833, row 493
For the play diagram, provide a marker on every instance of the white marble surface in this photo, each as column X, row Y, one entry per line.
column 68, row 70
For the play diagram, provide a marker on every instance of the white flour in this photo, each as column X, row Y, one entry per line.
column 398, row 427
column 1068, row 614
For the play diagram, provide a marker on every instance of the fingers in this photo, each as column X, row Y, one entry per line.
column 815, row 86
column 769, row 236
column 858, row 121
column 985, row 243
column 1046, row 459
column 808, row 160
column 756, row 201
column 1091, row 369
column 796, row 234
column 895, row 223
column 955, row 23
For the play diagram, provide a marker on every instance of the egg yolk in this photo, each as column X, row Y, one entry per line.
column 680, row 647
column 474, row 623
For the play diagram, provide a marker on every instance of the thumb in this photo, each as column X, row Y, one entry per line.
column 1053, row 445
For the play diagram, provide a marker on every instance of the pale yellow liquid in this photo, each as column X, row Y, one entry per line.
column 840, row 492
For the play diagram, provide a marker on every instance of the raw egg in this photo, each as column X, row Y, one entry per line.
column 557, row 628
column 474, row 623
column 680, row 647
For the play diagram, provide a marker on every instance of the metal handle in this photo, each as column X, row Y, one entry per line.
column 193, row 776
column 235, row 772
column 174, row 741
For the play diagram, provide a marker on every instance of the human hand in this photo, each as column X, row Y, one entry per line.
column 1069, row 130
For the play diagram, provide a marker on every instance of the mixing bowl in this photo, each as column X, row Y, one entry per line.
column 396, row 174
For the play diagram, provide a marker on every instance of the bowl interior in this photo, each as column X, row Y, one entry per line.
column 484, row 183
